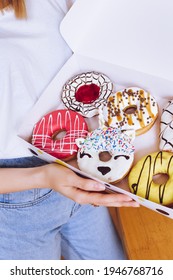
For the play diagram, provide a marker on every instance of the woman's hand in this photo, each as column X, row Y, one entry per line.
column 83, row 191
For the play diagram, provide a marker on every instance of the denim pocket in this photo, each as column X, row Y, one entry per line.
column 25, row 198
column 28, row 197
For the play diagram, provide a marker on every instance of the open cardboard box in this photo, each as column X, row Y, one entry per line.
column 130, row 42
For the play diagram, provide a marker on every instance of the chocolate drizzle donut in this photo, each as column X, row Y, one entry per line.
column 131, row 108
column 141, row 178
column 166, row 128
column 86, row 92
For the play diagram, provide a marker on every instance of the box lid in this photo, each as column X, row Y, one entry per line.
column 133, row 34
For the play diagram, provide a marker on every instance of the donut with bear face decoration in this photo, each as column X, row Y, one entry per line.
column 106, row 154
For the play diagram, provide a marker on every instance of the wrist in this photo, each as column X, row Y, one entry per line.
column 20, row 179
column 41, row 178
column 55, row 175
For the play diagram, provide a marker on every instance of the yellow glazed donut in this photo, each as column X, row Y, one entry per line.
column 141, row 180
column 130, row 108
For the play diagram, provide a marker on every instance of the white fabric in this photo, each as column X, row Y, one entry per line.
column 32, row 51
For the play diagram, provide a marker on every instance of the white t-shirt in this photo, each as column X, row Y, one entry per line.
column 32, row 51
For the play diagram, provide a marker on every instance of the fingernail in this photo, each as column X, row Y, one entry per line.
column 129, row 199
column 99, row 186
column 136, row 204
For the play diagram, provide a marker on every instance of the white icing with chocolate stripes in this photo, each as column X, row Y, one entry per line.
column 166, row 128
column 70, row 88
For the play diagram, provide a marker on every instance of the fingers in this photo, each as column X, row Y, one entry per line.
column 88, row 184
column 114, row 200
column 87, row 191
column 101, row 199
column 69, row 178
column 123, row 204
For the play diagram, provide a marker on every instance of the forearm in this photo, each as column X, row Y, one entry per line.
column 62, row 180
column 20, row 179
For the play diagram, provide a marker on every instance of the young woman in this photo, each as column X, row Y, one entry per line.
column 45, row 209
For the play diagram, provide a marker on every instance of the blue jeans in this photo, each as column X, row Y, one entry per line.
column 42, row 224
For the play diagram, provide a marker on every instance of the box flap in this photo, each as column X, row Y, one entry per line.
column 133, row 34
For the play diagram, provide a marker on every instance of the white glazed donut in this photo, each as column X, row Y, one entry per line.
column 131, row 108
column 86, row 92
column 166, row 128
column 106, row 154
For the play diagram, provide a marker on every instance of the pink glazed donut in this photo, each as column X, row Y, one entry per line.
column 46, row 131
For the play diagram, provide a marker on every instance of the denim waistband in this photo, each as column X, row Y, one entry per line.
column 28, row 195
column 23, row 162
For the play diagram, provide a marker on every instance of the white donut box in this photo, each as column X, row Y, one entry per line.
column 129, row 41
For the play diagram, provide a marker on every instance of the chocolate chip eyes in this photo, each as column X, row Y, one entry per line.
column 85, row 154
column 116, row 157
column 126, row 157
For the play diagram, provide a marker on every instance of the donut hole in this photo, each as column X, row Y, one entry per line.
column 160, row 178
column 87, row 93
column 58, row 135
column 130, row 110
column 105, row 156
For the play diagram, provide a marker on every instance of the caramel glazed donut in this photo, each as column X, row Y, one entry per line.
column 141, row 178
column 106, row 154
column 166, row 128
column 46, row 133
column 131, row 108
column 86, row 92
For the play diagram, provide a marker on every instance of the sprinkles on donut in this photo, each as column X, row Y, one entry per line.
column 106, row 154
